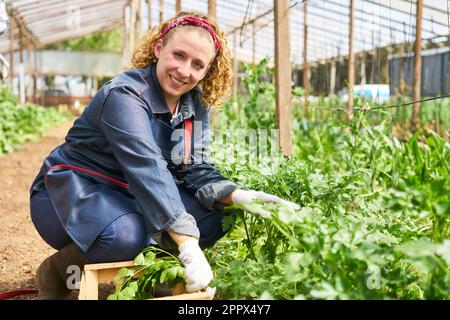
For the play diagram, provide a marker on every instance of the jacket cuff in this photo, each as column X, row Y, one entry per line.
column 210, row 193
column 184, row 224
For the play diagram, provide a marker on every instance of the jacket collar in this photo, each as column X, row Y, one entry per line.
column 158, row 103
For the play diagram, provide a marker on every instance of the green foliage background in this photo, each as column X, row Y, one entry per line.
column 19, row 123
column 375, row 217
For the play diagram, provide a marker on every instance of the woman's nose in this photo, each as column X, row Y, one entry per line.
column 184, row 69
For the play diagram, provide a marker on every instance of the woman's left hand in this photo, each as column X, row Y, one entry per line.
column 244, row 197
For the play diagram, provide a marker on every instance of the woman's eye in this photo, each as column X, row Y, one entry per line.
column 198, row 66
column 178, row 55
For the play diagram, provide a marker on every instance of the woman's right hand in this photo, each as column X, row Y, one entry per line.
column 198, row 273
column 246, row 197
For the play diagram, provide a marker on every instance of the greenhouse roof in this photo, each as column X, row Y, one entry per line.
column 377, row 23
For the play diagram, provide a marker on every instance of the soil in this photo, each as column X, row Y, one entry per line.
column 21, row 247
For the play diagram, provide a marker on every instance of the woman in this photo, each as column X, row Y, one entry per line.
column 133, row 170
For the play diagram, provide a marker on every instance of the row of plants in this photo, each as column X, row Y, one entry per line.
column 374, row 223
column 375, row 217
column 433, row 114
column 20, row 123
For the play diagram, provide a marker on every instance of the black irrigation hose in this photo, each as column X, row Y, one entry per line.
column 385, row 107
column 403, row 104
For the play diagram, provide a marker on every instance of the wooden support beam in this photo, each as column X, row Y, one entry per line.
column 126, row 36
column 351, row 63
column 161, row 11
column 20, row 46
column 149, row 6
column 178, row 6
column 363, row 68
column 401, row 55
column 305, row 60
column 26, row 33
column 35, row 73
column 133, row 24
column 254, row 43
column 139, row 32
column 332, row 77
column 373, row 52
column 11, row 52
column 283, row 75
column 21, row 69
column 417, row 66
column 212, row 7
column 94, row 84
column 29, row 86
column 448, row 76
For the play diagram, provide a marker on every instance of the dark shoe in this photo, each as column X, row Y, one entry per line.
column 51, row 276
column 162, row 290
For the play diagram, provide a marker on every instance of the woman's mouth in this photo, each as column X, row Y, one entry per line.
column 175, row 82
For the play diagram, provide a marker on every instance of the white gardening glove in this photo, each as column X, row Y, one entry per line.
column 197, row 273
column 244, row 197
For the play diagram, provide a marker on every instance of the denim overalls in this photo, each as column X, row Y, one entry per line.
column 121, row 170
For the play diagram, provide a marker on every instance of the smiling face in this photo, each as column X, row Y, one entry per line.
column 183, row 61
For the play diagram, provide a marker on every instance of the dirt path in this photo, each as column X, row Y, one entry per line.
column 21, row 248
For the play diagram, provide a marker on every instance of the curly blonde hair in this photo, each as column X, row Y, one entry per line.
column 217, row 82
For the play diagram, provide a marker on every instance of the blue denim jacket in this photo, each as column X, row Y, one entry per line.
column 126, row 134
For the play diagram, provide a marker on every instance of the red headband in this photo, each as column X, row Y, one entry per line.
column 195, row 21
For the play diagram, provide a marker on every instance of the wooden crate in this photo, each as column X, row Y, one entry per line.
column 94, row 274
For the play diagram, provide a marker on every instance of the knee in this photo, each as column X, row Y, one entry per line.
column 121, row 240
column 214, row 226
